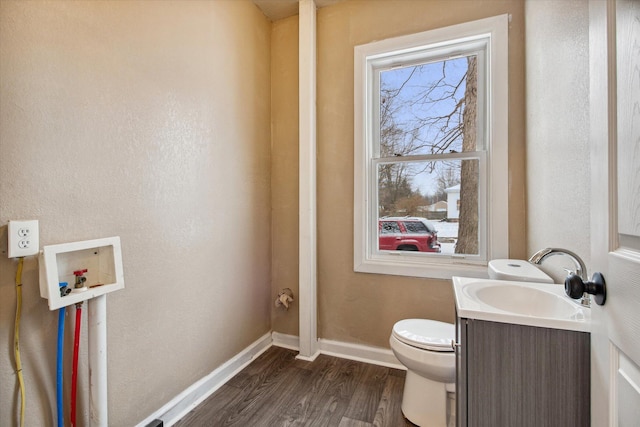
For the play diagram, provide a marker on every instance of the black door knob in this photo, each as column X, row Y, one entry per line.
column 574, row 287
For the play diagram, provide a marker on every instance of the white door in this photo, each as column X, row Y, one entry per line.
column 615, row 209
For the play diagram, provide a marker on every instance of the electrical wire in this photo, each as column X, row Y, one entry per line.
column 74, row 372
column 16, row 338
column 59, row 370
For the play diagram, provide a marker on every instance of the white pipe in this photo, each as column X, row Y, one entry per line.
column 98, row 404
column 307, row 253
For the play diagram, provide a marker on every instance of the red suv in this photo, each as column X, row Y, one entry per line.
column 407, row 234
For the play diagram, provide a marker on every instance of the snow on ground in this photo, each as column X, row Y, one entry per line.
column 447, row 248
column 446, row 229
column 447, row 235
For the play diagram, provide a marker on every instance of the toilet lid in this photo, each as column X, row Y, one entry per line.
column 427, row 334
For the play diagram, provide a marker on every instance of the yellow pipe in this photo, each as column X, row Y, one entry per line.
column 16, row 338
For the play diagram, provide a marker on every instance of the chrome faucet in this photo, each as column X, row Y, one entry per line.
column 581, row 269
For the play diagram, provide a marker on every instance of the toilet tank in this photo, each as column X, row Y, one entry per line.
column 517, row 270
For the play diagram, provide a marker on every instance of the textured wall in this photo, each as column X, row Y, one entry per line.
column 558, row 166
column 147, row 120
column 358, row 307
column 284, row 169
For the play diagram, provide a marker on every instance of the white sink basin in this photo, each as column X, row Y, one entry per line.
column 523, row 300
column 523, row 303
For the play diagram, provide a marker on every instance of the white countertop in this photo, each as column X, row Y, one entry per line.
column 521, row 303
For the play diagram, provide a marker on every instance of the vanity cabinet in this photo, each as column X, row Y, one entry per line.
column 516, row 375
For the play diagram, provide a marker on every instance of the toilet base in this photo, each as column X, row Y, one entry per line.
column 424, row 402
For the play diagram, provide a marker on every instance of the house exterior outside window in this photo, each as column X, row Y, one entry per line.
column 453, row 202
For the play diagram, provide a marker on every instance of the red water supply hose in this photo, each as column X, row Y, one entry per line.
column 74, row 373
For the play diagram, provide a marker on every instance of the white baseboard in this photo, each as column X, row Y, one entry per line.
column 361, row 353
column 292, row 342
column 180, row 405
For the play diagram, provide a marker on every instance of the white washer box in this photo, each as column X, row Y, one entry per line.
column 102, row 258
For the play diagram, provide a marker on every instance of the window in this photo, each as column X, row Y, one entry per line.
column 416, row 227
column 431, row 119
column 388, row 227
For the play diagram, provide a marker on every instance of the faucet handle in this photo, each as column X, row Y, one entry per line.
column 569, row 271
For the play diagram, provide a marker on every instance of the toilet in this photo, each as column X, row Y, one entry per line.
column 425, row 348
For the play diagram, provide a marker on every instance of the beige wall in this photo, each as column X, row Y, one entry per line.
column 357, row 307
column 284, row 169
column 151, row 121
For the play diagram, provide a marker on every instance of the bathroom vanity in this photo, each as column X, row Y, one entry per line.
column 526, row 363
column 515, row 375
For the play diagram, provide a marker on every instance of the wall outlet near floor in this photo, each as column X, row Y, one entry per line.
column 24, row 238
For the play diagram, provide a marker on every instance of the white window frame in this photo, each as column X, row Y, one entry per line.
column 490, row 35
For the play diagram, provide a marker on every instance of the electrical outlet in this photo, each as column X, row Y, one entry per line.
column 24, row 238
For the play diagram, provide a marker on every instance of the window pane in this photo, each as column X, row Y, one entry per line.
column 440, row 200
column 388, row 227
column 429, row 108
column 415, row 227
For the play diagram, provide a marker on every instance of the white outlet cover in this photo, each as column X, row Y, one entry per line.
column 23, row 238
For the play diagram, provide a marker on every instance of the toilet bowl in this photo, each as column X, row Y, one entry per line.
column 425, row 348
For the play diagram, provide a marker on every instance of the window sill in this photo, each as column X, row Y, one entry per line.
column 432, row 270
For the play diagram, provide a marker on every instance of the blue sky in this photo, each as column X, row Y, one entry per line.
column 410, row 85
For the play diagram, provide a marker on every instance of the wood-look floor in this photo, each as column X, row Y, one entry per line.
column 278, row 390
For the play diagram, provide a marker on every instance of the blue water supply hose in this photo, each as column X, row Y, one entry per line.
column 60, row 359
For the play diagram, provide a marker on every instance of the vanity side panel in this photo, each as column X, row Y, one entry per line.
column 526, row 376
column 461, row 372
